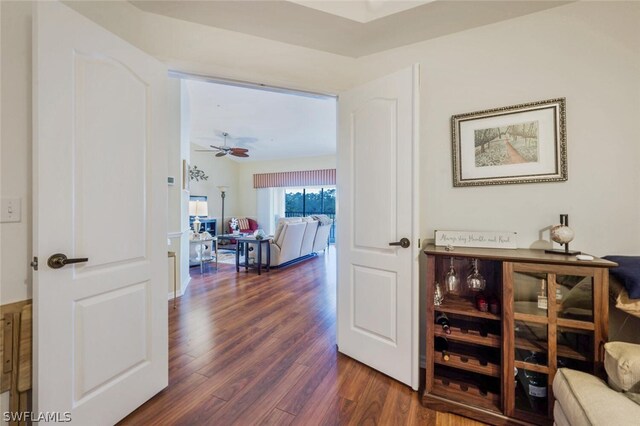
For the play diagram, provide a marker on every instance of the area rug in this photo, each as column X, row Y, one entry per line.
column 228, row 256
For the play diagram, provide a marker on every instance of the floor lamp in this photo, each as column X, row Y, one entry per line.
column 223, row 189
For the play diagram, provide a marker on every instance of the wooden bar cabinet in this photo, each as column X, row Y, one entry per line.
column 495, row 362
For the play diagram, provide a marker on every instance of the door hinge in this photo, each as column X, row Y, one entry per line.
column 34, row 263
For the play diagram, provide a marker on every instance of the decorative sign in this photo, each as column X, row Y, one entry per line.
column 484, row 239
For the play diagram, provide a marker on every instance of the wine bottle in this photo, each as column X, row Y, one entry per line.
column 537, row 383
column 444, row 322
column 542, row 297
column 441, row 344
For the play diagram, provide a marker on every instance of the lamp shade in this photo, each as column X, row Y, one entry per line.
column 223, row 188
column 198, row 208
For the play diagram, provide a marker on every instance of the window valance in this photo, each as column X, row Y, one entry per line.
column 301, row 178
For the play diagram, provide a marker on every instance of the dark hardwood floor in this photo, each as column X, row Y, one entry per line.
column 247, row 349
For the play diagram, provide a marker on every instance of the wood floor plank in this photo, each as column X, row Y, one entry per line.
column 369, row 408
column 325, row 396
column 278, row 418
column 259, row 410
column 359, row 378
column 300, row 394
column 247, row 350
column 339, row 412
column 397, row 406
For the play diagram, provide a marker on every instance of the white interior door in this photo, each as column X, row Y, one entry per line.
column 100, row 327
column 377, row 176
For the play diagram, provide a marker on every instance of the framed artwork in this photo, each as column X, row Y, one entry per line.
column 185, row 176
column 524, row 143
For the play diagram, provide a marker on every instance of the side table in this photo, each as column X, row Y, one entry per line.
column 243, row 243
column 201, row 256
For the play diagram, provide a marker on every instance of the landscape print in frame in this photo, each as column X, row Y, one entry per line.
column 523, row 143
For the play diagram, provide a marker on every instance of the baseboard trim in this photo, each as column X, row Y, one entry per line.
column 180, row 290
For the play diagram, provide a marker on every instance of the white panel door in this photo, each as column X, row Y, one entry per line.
column 100, row 167
column 377, row 176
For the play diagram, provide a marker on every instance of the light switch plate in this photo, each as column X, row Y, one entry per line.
column 11, row 210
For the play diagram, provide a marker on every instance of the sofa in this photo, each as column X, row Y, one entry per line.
column 584, row 399
column 297, row 238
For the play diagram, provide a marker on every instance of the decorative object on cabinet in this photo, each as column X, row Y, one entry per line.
column 563, row 235
column 486, row 345
column 197, row 174
column 516, row 144
column 486, row 239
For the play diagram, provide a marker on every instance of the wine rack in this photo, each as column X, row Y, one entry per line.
column 497, row 365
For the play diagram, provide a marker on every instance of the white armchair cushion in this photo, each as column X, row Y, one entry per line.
column 290, row 242
column 586, row 400
column 309, row 237
column 322, row 237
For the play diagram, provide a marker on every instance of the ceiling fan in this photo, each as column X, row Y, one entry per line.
column 223, row 150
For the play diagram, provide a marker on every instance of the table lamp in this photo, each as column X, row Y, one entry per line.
column 198, row 208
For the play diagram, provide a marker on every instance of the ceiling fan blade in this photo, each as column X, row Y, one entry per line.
column 217, row 147
column 221, row 154
column 239, row 150
column 239, row 154
column 205, row 150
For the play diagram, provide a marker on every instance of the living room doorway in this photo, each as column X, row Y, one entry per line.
column 235, row 132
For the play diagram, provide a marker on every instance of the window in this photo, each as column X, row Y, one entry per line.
column 308, row 201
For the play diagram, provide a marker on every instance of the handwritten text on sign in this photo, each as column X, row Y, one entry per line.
column 486, row 239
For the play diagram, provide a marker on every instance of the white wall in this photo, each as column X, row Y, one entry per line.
column 221, row 171
column 15, row 169
column 248, row 201
column 587, row 52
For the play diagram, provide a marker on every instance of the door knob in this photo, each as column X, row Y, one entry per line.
column 58, row 260
column 404, row 243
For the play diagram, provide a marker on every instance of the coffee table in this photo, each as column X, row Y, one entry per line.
column 226, row 238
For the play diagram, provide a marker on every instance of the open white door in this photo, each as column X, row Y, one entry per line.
column 376, row 181
column 100, row 167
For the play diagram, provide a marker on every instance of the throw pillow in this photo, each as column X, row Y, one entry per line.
column 628, row 272
column 622, row 363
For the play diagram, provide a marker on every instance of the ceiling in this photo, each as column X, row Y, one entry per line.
column 271, row 124
column 349, row 28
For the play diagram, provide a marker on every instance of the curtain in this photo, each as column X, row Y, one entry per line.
column 301, row 178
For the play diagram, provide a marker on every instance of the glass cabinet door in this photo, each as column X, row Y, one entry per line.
column 574, row 297
column 531, row 372
column 571, row 296
column 549, row 302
